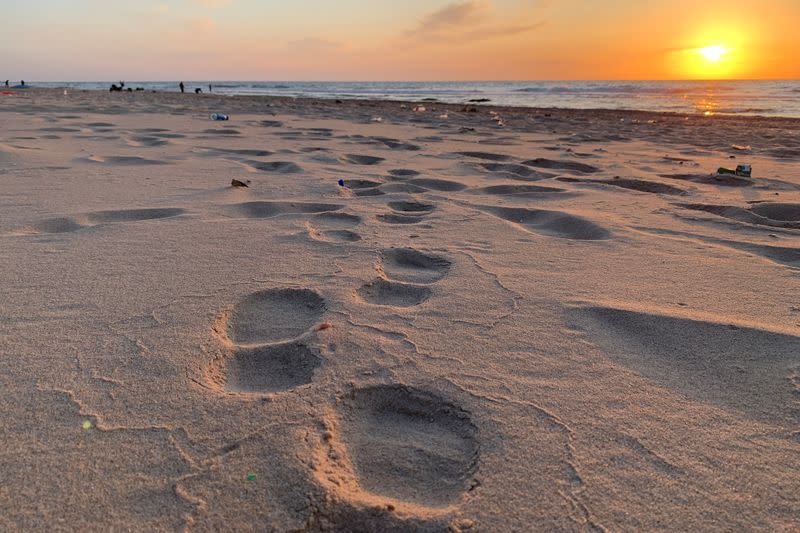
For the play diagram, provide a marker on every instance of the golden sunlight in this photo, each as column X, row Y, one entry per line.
column 713, row 53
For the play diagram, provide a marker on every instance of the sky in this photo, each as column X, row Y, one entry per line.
column 387, row 40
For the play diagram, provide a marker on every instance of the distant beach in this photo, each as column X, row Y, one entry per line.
column 767, row 98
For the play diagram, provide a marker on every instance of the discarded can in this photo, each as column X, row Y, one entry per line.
column 744, row 171
column 219, row 116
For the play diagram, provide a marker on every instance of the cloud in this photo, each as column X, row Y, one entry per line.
column 452, row 16
column 471, row 20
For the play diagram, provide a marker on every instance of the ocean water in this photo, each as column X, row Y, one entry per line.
column 770, row 98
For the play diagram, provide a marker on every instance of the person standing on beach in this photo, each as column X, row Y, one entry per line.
column 6, row 83
column 182, row 87
column 209, row 87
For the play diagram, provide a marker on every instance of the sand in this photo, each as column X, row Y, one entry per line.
column 562, row 321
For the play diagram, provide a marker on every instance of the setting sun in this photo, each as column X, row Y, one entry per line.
column 713, row 53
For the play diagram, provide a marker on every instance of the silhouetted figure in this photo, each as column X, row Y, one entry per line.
column 198, row 90
column 209, row 87
column 182, row 87
column 117, row 88
column 22, row 82
column 6, row 83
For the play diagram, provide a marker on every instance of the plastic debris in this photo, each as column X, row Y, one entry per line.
column 237, row 183
column 251, row 476
column 744, row 171
column 741, row 148
column 419, row 109
column 87, row 424
column 219, row 116
column 341, row 183
column 377, row 119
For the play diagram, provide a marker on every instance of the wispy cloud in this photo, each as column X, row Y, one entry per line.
column 471, row 20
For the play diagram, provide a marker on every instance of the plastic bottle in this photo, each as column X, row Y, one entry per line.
column 219, row 116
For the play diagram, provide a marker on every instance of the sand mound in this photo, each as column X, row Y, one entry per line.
column 408, row 444
column 388, row 293
column 273, row 315
column 270, row 368
column 554, row 223
column 413, row 266
column 274, row 209
column 736, row 367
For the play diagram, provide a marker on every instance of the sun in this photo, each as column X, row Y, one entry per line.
column 713, row 53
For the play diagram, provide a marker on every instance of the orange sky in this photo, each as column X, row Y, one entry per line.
column 390, row 40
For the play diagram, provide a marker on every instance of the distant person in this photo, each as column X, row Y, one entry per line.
column 209, row 87
column 22, row 82
column 198, row 90
column 6, row 83
column 117, row 88
column 183, row 89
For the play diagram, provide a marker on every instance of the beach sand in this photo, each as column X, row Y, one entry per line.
column 562, row 321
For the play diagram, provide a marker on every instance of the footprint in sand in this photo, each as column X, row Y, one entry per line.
column 776, row 215
column 488, row 156
column 274, row 315
column 271, row 368
column 275, row 209
column 412, row 266
column 278, row 167
column 553, row 223
column 571, row 166
column 652, row 187
column 334, row 227
column 406, row 212
column 403, row 173
column 70, row 224
column 522, row 191
column 122, row 160
column 438, row 185
column 265, row 354
column 389, row 293
column 405, row 444
column 362, row 159
column 739, row 367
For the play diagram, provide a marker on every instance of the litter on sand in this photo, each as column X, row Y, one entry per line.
column 87, row 424
column 237, row 183
column 219, row 116
column 744, row 171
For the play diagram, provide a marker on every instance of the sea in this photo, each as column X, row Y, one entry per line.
column 767, row 98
